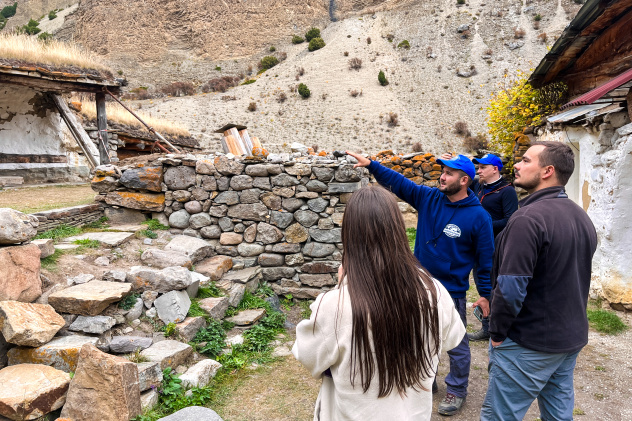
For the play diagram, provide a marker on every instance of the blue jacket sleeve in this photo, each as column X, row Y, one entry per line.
column 398, row 184
column 516, row 259
column 510, row 205
column 484, row 256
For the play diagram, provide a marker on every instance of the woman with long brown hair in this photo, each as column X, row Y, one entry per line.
column 375, row 339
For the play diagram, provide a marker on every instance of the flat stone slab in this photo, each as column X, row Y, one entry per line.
column 193, row 413
column 129, row 344
column 127, row 227
column 29, row 324
column 112, row 239
column 88, row 299
column 61, row 353
column 28, row 391
column 214, row 267
column 194, row 248
column 200, row 374
column 93, row 324
column 247, row 317
column 168, row 353
column 63, row 247
column 242, row 276
column 215, row 306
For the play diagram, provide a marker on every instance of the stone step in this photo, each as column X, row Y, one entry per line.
column 247, row 317
column 111, row 239
column 168, row 353
column 88, row 299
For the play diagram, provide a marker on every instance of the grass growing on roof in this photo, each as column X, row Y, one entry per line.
column 28, row 49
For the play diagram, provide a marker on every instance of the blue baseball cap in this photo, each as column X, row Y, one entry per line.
column 459, row 162
column 489, row 159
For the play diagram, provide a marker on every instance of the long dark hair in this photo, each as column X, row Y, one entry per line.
column 393, row 300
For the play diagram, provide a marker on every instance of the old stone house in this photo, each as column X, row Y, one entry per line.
column 593, row 57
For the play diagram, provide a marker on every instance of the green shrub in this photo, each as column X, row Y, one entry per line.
column 272, row 49
column 316, row 44
column 154, row 225
column 52, row 15
column 9, row 11
column 460, row 1
column 312, row 33
column 211, row 290
column 31, row 28
column 404, row 44
column 128, row 302
column 537, row 17
column 268, row 62
column 303, row 90
column 88, row 243
column 249, row 81
column 214, row 336
column 219, row 69
column 382, row 78
column 148, row 233
column 297, row 39
column 45, row 36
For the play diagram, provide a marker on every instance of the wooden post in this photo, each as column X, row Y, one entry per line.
column 102, row 125
column 76, row 130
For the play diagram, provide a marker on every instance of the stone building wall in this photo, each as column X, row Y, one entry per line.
column 282, row 213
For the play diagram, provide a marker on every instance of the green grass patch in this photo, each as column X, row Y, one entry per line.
column 249, row 81
column 100, row 223
column 87, row 243
column 147, row 233
column 306, row 312
column 195, row 310
column 411, row 233
column 128, row 302
column 50, row 263
column 155, row 225
column 605, row 321
column 209, row 291
column 60, row 232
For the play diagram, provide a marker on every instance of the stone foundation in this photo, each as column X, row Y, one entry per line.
column 75, row 216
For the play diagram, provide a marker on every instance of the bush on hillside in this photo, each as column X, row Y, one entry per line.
column 297, row 39
column 404, row 44
column 268, row 62
column 368, row 40
column 303, row 90
column 355, row 64
column 272, row 49
column 252, row 106
column 30, row 28
column 417, row 147
column 460, row 128
column 178, row 89
column 312, row 33
column 52, row 15
column 316, row 44
column 220, row 84
column 45, row 36
column 9, row 11
column 382, row 78
column 476, row 143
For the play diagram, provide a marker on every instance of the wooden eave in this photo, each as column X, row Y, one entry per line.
column 58, row 82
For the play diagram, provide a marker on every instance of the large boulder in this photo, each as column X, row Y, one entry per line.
column 162, row 259
column 173, row 306
column 143, row 178
column 154, row 202
column 16, row 227
column 179, row 178
column 30, row 391
column 20, row 273
column 61, row 353
column 194, row 248
column 104, row 387
column 168, row 279
column 88, row 299
column 29, row 324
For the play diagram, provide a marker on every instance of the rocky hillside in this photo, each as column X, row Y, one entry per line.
column 458, row 55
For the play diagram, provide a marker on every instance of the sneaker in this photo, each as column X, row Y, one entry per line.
column 450, row 405
column 481, row 335
column 435, row 388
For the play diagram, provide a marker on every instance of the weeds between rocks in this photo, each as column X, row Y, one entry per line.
column 605, row 321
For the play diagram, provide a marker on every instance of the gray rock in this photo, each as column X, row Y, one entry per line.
column 102, row 261
column 262, row 183
column 241, row 182
column 200, row 374
column 346, row 173
column 149, row 374
column 193, row 413
column 274, row 169
column 274, row 274
column 148, row 400
column 230, row 239
column 306, row 218
column 343, row 187
column 226, row 166
column 247, row 317
column 271, row 200
column 284, row 191
column 235, row 294
column 82, row 278
column 149, row 297
column 250, row 196
column 315, row 249
column 285, row 248
column 292, row 204
column 462, row 28
column 129, row 344
column 299, row 169
column 325, row 223
column 222, row 183
column 179, row 219
column 250, row 233
column 296, row 233
column 249, row 250
column 208, row 183
column 164, row 258
column 284, row 180
column 181, row 195
column 321, row 266
column 271, row 259
column 307, row 195
column 226, row 224
column 228, row 198
column 46, row 246
column 114, row 276
column 143, row 178
column 323, row 174
column 168, row 353
column 317, row 205
column 189, row 327
column 466, row 72
column 268, row 234
column 281, row 219
column 319, row 280
column 95, row 324
column 316, row 186
column 151, row 313
column 204, row 166
column 195, row 248
column 199, row 220
column 215, row 306
column 239, row 228
column 514, row 45
column 253, row 212
column 179, row 178
column 294, row 259
column 326, row 236
column 199, row 194
column 257, row 170
column 104, row 185
column 173, row 306
column 136, row 311
column 193, row 207
column 227, row 251
column 218, row 211
column 213, row 231
column 165, row 280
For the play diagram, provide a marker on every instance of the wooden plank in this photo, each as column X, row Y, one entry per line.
column 242, row 145
column 224, row 145
column 102, row 125
column 80, row 135
column 52, row 85
column 233, row 147
column 32, row 159
column 255, row 142
column 246, row 138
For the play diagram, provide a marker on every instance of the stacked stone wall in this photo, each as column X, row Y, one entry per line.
column 75, row 216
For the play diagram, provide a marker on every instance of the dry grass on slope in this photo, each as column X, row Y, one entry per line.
column 24, row 49
column 117, row 114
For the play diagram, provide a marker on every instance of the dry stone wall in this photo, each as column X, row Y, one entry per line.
column 74, row 216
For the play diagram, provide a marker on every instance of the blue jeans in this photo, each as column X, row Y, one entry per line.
column 518, row 375
column 460, row 358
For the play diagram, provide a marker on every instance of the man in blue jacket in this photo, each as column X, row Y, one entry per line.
column 453, row 233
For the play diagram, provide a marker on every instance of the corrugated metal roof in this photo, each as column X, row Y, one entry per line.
column 595, row 94
column 575, row 113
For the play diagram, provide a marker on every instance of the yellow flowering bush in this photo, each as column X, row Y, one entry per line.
column 518, row 105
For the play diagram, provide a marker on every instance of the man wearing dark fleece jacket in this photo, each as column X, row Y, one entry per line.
column 541, row 276
column 453, row 232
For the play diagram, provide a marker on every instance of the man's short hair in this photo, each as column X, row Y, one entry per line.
column 560, row 156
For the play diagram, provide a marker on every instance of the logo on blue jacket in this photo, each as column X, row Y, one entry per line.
column 452, row 231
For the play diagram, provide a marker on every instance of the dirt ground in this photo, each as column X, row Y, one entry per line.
column 37, row 199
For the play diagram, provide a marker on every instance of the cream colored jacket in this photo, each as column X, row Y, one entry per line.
column 319, row 347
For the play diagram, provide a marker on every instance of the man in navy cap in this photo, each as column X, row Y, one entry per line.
column 454, row 233
column 500, row 200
